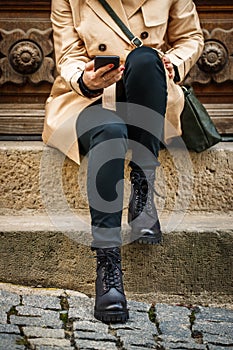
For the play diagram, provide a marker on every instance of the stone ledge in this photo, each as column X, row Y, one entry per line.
column 201, row 182
column 39, row 145
column 199, row 222
column 195, row 258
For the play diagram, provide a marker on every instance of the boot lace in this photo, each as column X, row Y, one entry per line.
column 140, row 194
column 112, row 272
column 143, row 195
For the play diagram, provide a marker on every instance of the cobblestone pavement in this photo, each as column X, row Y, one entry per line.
column 64, row 321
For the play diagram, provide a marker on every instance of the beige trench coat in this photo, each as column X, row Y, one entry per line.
column 83, row 29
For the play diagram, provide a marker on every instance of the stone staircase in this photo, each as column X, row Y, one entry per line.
column 45, row 225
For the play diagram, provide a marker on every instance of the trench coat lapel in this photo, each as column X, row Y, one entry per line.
column 118, row 8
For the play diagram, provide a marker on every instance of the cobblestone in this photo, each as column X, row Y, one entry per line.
column 53, row 347
column 95, row 345
column 43, row 302
column 45, row 320
column 65, row 321
column 37, row 332
column 9, row 298
column 215, row 327
column 62, row 343
column 11, row 342
column 94, row 336
column 9, row 329
column 213, row 347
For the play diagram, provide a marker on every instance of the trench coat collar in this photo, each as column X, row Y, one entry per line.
column 134, row 7
column 118, row 8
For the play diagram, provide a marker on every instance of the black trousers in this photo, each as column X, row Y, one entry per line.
column 105, row 137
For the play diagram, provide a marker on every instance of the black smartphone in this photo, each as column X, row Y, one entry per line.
column 101, row 61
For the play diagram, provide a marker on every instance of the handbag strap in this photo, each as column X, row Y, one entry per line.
column 134, row 39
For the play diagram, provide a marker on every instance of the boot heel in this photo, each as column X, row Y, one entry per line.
column 149, row 239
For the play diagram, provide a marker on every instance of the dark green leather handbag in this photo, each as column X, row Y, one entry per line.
column 198, row 130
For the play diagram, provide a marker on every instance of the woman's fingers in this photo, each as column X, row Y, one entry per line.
column 89, row 66
column 113, row 76
column 101, row 78
column 169, row 66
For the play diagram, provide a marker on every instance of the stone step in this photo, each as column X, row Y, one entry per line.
column 195, row 257
column 36, row 177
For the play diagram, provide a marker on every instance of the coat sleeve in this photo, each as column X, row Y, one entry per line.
column 184, row 36
column 70, row 52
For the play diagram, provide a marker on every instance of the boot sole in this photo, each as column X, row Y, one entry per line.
column 148, row 240
column 112, row 317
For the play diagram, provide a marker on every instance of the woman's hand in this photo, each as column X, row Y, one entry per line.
column 102, row 77
column 169, row 66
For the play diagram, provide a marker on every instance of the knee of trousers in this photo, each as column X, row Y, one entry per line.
column 143, row 57
column 110, row 132
column 95, row 125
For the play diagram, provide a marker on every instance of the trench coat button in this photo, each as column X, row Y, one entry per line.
column 144, row 35
column 102, row 47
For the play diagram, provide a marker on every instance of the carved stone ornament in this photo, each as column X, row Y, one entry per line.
column 216, row 61
column 26, row 56
column 214, row 57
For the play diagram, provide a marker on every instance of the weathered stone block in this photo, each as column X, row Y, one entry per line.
column 189, row 181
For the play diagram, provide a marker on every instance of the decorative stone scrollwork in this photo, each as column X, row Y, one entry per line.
column 214, row 57
column 216, row 62
column 26, row 56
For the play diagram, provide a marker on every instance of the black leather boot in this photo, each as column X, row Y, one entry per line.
column 142, row 213
column 110, row 302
